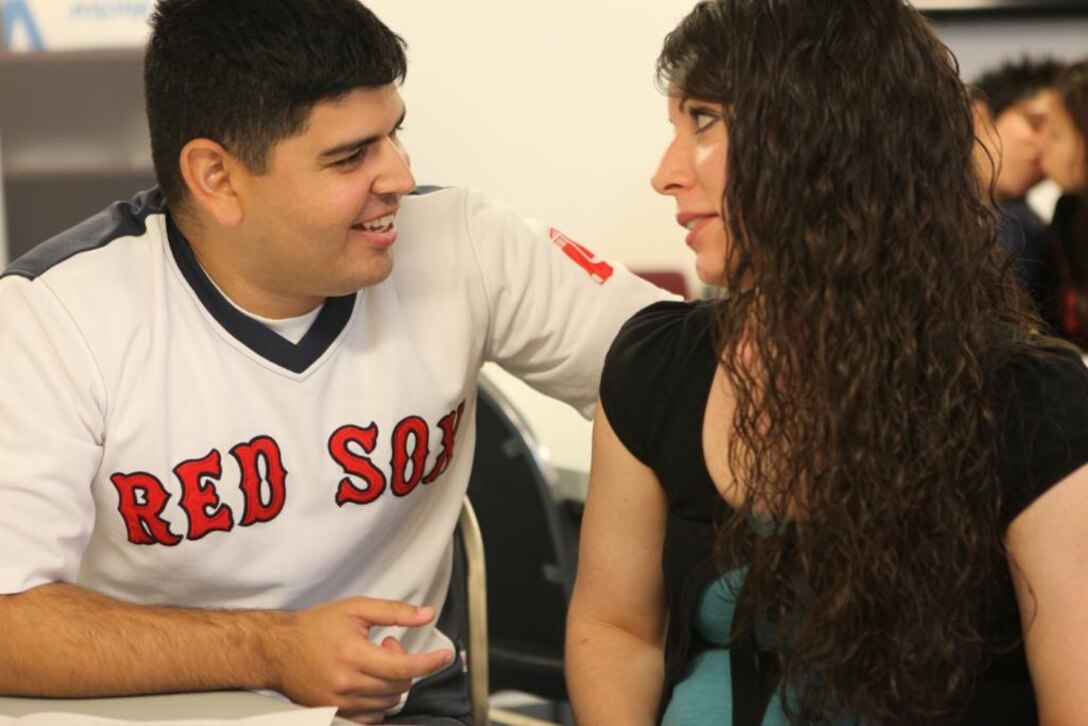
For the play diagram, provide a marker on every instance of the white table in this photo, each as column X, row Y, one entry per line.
column 213, row 704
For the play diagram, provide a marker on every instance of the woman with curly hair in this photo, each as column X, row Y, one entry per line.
column 853, row 489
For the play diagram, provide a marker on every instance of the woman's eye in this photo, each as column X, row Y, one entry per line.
column 704, row 119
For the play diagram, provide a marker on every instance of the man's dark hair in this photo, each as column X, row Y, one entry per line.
column 246, row 73
column 1015, row 81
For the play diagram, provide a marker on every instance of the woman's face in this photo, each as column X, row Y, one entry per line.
column 1063, row 149
column 692, row 171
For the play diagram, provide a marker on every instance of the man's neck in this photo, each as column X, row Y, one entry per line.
column 229, row 275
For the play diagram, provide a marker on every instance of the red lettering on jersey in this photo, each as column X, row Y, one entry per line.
column 199, row 498
column 359, row 466
column 418, row 431
column 249, row 457
column 599, row 270
column 142, row 518
column 449, row 425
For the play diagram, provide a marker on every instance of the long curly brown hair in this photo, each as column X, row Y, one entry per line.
column 859, row 361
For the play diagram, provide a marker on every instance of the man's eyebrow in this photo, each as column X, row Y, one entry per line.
column 357, row 144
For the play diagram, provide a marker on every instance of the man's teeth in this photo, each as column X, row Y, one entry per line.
column 382, row 224
column 691, row 223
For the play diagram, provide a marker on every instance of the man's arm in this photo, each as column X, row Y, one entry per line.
column 65, row 641
column 615, row 628
column 58, row 640
column 554, row 307
column 1048, row 555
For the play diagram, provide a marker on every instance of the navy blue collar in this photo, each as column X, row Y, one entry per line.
column 295, row 357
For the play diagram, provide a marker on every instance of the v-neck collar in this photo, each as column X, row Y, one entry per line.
column 295, row 357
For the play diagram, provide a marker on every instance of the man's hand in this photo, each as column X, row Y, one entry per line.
column 323, row 656
column 63, row 641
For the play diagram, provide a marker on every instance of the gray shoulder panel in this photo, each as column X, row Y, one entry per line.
column 120, row 219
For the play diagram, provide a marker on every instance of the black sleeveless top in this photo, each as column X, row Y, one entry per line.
column 654, row 390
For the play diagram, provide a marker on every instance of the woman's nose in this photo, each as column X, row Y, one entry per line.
column 673, row 173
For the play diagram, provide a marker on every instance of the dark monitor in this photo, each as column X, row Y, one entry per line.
column 997, row 8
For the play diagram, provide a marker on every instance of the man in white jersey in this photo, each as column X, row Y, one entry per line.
column 234, row 435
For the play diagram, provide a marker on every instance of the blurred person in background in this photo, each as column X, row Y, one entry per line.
column 1010, row 103
column 1065, row 160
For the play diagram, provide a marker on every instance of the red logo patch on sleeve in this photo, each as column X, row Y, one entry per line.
column 599, row 270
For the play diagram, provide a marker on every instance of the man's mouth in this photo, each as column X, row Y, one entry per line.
column 381, row 224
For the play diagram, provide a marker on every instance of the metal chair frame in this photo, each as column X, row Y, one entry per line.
column 476, row 575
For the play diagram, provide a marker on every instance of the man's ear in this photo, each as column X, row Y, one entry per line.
column 210, row 174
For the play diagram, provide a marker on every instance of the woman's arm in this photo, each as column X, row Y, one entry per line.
column 615, row 628
column 1048, row 556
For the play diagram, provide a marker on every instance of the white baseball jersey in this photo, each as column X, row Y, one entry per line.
column 160, row 446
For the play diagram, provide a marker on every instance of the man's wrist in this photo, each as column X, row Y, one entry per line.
column 272, row 632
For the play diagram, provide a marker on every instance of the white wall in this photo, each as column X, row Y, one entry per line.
column 551, row 107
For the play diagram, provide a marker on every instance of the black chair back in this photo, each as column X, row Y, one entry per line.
column 531, row 549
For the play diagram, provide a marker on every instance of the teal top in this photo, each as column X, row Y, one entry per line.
column 704, row 694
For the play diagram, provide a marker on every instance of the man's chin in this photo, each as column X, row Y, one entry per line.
column 377, row 270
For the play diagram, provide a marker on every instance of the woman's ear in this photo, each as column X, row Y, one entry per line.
column 208, row 170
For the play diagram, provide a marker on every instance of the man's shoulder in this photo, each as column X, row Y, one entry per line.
column 443, row 203
column 430, row 196
column 105, row 268
column 120, row 220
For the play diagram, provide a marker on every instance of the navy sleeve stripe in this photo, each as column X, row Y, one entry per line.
column 120, row 219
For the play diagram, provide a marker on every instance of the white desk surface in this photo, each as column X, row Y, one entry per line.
column 210, row 705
